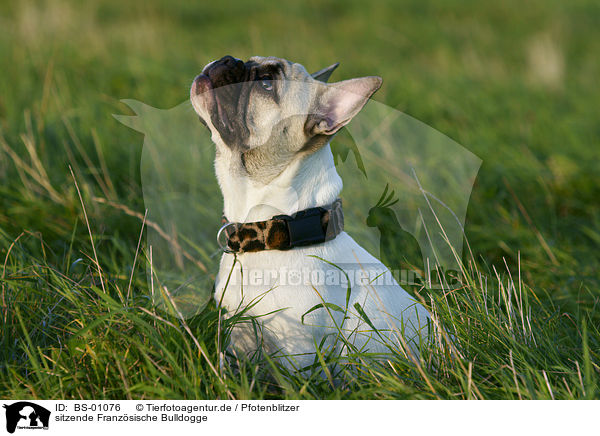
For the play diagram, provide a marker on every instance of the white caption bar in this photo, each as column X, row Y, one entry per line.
column 296, row 417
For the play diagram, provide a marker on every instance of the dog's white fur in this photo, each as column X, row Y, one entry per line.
column 311, row 182
column 307, row 181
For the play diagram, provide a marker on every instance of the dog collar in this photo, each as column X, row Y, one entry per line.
column 283, row 232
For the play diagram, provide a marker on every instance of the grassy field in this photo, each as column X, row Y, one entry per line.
column 515, row 83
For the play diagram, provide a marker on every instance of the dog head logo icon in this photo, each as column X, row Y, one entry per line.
column 26, row 415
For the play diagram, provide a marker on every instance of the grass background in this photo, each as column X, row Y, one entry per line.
column 514, row 82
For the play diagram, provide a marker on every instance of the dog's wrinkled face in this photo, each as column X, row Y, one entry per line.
column 269, row 110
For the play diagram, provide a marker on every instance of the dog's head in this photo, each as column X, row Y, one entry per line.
column 269, row 110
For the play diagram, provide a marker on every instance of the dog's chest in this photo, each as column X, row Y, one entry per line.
column 296, row 280
column 286, row 292
column 293, row 277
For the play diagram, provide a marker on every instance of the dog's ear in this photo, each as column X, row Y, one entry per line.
column 340, row 102
column 324, row 74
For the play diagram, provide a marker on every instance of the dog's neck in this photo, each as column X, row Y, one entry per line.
column 308, row 181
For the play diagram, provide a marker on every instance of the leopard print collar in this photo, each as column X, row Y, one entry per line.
column 283, row 232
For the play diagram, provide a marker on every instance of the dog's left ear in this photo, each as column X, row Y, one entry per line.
column 340, row 102
column 324, row 74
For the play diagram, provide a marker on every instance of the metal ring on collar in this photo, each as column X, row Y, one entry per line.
column 224, row 246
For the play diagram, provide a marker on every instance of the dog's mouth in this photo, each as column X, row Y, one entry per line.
column 220, row 95
column 203, row 86
column 211, row 94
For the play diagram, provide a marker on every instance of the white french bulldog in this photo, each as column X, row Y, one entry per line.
column 272, row 122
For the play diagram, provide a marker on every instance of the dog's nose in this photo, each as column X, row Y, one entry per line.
column 226, row 71
column 230, row 61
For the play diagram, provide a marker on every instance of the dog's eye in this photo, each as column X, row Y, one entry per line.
column 266, row 82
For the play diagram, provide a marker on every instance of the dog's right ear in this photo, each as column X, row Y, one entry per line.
column 324, row 74
column 340, row 102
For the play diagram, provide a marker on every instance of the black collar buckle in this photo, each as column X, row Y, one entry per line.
column 305, row 227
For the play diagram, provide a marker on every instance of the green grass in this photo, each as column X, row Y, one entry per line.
column 515, row 85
